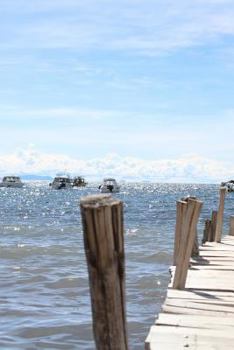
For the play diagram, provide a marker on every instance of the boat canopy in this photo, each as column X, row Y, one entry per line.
column 11, row 179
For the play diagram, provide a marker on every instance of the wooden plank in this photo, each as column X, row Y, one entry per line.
column 216, row 253
column 215, row 267
column 194, row 311
column 195, row 321
column 201, row 316
column 220, row 247
column 207, row 284
column 199, row 294
column 187, row 331
column 217, row 307
column 166, row 340
column 158, row 341
column 214, row 261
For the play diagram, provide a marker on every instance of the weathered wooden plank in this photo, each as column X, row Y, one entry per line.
column 200, row 295
column 214, row 267
column 220, row 247
column 194, row 311
column 201, row 316
column 166, row 340
column 208, row 284
column 197, row 321
column 214, row 253
column 187, row 331
column 158, row 341
column 228, row 239
column 213, row 261
column 194, row 321
column 218, row 307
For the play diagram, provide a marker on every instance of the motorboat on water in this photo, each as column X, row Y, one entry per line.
column 79, row 181
column 229, row 185
column 61, row 182
column 11, row 181
column 109, row 185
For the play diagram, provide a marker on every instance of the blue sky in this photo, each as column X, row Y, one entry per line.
column 90, row 81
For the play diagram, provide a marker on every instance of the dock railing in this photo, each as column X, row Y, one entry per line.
column 197, row 310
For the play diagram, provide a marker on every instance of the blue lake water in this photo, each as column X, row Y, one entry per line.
column 44, row 292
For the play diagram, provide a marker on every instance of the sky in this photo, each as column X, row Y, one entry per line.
column 130, row 88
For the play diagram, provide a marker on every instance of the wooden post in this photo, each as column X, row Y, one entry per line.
column 206, row 231
column 180, row 214
column 102, row 218
column 211, row 237
column 231, row 229
column 187, row 242
column 219, row 224
column 195, row 250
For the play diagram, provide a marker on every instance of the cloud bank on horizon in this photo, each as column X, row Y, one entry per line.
column 148, row 81
column 188, row 169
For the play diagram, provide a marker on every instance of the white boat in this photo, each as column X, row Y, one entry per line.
column 109, row 185
column 61, row 182
column 229, row 185
column 11, row 181
column 79, row 181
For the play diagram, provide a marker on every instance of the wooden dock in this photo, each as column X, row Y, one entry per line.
column 201, row 316
column 198, row 312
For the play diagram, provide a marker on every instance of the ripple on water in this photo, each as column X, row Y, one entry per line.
column 44, row 294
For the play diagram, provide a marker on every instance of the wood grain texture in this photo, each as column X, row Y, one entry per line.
column 219, row 221
column 102, row 218
column 201, row 316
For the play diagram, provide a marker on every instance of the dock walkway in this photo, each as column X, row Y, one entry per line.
column 202, row 315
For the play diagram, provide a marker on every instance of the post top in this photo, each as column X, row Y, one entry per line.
column 98, row 200
column 190, row 199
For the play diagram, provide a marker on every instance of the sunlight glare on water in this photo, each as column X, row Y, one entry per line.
column 44, row 294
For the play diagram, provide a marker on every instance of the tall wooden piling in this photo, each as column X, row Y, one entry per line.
column 188, row 235
column 102, row 218
column 210, row 227
column 206, row 232
column 195, row 250
column 180, row 214
column 219, row 223
column 211, row 237
column 231, row 228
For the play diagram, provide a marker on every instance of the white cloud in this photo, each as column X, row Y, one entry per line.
column 90, row 133
column 190, row 168
column 147, row 27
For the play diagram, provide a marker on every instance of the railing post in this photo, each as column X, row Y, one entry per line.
column 180, row 214
column 195, row 250
column 211, row 237
column 206, row 231
column 219, row 224
column 102, row 218
column 188, row 235
column 231, row 228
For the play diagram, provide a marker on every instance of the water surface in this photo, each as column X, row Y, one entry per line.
column 44, row 292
